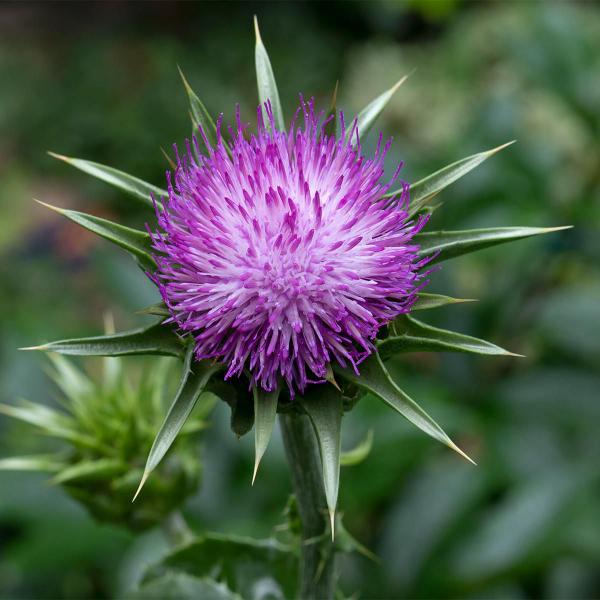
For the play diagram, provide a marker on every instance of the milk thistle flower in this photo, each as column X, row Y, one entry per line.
column 279, row 257
column 287, row 258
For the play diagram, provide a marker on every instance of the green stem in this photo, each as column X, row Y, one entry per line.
column 317, row 559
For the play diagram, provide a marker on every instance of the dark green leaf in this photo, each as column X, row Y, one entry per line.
column 265, row 411
column 358, row 453
column 194, row 379
column 409, row 335
column 324, row 407
column 428, row 301
column 240, row 562
column 425, row 189
column 136, row 242
column 242, row 414
column 375, row 379
column 515, row 531
column 265, row 80
column 128, row 183
column 368, row 115
column 156, row 339
column 181, row 586
column 450, row 244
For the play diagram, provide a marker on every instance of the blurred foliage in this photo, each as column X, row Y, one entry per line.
column 100, row 82
column 106, row 429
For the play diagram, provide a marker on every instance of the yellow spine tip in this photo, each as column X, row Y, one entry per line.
column 45, row 204
column 59, row 156
column 560, row 228
column 332, row 522
column 257, row 30
column 463, row 454
column 142, row 482
column 501, row 147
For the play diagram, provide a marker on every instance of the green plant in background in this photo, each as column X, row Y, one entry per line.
column 106, row 429
column 314, row 460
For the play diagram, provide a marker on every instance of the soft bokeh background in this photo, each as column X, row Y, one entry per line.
column 99, row 81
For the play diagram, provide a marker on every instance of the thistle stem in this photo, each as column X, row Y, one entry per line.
column 317, row 557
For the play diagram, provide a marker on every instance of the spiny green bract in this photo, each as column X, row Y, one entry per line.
column 107, row 426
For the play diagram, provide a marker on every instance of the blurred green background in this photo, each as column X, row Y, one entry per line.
column 99, row 81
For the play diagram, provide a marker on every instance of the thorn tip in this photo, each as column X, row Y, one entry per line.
column 332, row 522
column 142, row 482
column 257, row 31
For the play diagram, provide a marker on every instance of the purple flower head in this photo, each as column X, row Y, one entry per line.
column 280, row 257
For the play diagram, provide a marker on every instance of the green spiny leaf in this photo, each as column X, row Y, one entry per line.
column 265, row 411
column 425, row 189
column 194, row 379
column 73, row 382
column 427, row 301
column 43, row 463
column 375, row 379
column 128, row 183
column 156, row 339
column 41, row 416
column 265, row 80
column 136, row 242
column 409, row 335
column 90, row 470
column 358, row 453
column 451, row 244
column 51, row 422
column 368, row 115
column 324, row 407
column 174, row 585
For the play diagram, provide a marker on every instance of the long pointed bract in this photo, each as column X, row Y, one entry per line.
column 194, row 379
column 375, row 379
column 136, row 242
column 324, row 408
column 155, row 339
column 265, row 81
column 369, row 114
column 265, row 411
column 450, row 244
column 134, row 186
